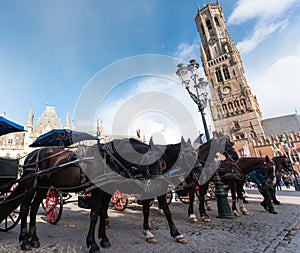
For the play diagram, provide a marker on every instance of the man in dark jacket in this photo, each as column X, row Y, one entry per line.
column 257, row 176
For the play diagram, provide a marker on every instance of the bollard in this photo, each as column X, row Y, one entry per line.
column 224, row 210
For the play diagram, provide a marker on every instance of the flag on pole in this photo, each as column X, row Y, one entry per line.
column 246, row 150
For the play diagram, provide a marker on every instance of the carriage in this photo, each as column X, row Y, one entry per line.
column 11, row 170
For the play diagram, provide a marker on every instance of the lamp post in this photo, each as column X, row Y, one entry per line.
column 187, row 74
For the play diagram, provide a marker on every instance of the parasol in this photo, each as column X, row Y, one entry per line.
column 61, row 137
column 7, row 126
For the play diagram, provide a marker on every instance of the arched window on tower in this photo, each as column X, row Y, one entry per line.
column 226, row 72
column 236, row 104
column 208, row 24
column 224, row 107
column 219, row 75
column 217, row 22
column 243, row 104
column 230, row 107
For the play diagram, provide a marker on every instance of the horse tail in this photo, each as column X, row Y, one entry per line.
column 9, row 204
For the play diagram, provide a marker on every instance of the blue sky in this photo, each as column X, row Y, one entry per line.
column 49, row 50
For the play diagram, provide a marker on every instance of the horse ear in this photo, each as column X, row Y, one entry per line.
column 189, row 141
column 182, row 141
column 151, row 144
column 267, row 159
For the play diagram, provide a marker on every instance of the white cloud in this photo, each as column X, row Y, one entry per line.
column 250, row 9
column 261, row 31
column 186, row 51
column 279, row 86
column 268, row 15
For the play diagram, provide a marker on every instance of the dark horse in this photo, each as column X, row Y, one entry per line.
column 201, row 176
column 234, row 175
column 62, row 169
column 283, row 165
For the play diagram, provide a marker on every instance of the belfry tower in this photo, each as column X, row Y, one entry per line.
column 235, row 111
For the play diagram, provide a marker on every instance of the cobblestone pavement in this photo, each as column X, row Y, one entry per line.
column 258, row 232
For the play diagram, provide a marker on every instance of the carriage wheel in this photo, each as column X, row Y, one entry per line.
column 119, row 200
column 169, row 197
column 54, row 205
column 184, row 199
column 13, row 218
column 10, row 221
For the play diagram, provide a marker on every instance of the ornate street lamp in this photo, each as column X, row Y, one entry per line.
column 187, row 74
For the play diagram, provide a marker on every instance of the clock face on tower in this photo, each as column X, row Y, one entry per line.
column 225, row 90
column 212, row 41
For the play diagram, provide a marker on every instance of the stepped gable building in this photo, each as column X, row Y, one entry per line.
column 235, row 110
column 15, row 145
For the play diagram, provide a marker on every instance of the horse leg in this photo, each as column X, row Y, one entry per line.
column 103, row 218
column 94, row 213
column 173, row 230
column 233, row 197
column 38, row 198
column 240, row 195
column 191, row 213
column 146, row 228
column 272, row 190
column 202, row 192
column 24, row 236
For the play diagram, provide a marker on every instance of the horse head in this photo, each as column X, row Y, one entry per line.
column 283, row 163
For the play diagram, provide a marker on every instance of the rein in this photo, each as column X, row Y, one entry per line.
column 42, row 160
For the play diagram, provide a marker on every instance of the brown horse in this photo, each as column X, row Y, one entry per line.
column 206, row 156
column 234, row 175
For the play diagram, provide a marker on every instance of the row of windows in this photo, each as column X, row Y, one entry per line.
column 218, row 60
column 226, row 74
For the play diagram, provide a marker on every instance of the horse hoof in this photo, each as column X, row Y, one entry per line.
column 236, row 214
column 193, row 218
column 181, row 239
column 206, row 219
column 25, row 247
column 105, row 244
column 35, row 244
column 151, row 240
column 245, row 213
column 94, row 250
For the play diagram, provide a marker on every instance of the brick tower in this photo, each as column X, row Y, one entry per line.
column 235, row 110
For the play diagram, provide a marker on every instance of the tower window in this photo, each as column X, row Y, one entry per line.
column 208, row 24
column 236, row 125
column 226, row 72
column 217, row 21
column 219, row 75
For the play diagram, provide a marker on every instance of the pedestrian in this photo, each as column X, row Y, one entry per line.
column 260, row 180
column 279, row 185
